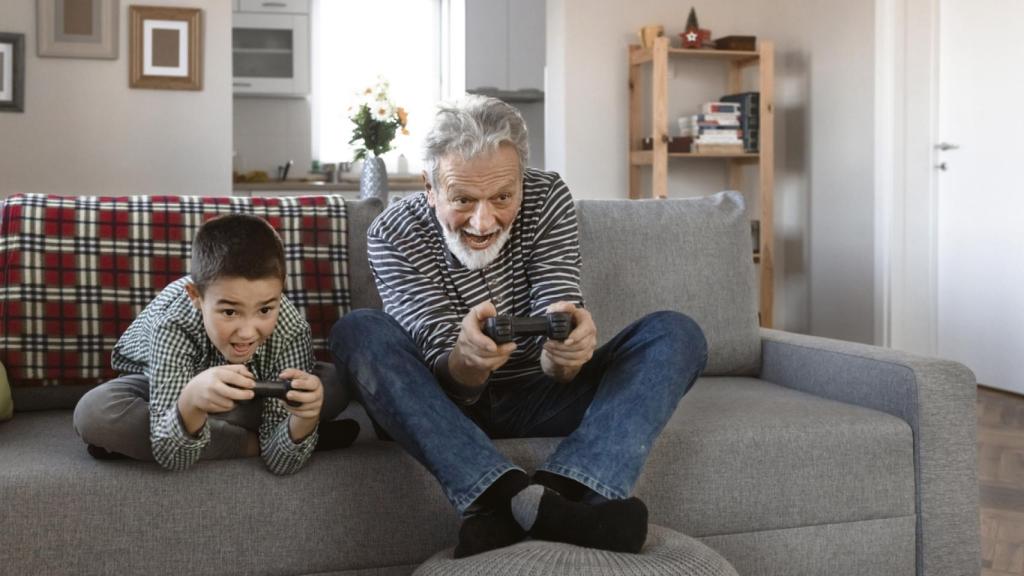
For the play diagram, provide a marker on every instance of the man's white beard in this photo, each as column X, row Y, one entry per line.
column 470, row 258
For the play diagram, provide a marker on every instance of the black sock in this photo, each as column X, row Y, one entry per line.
column 498, row 496
column 104, row 454
column 487, row 530
column 571, row 489
column 336, row 434
column 493, row 525
column 616, row 525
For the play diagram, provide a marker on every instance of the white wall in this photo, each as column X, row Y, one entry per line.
column 824, row 129
column 84, row 131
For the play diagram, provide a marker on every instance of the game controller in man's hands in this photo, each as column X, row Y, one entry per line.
column 274, row 389
column 505, row 328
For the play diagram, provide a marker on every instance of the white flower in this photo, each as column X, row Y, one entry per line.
column 382, row 111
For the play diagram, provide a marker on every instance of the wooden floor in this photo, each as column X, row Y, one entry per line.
column 1001, row 476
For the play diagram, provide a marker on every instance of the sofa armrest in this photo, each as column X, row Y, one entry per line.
column 935, row 397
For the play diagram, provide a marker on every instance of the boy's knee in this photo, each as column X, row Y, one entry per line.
column 89, row 415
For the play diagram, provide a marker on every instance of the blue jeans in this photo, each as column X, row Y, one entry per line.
column 610, row 413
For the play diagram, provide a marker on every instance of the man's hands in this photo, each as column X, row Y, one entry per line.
column 563, row 360
column 217, row 389
column 475, row 355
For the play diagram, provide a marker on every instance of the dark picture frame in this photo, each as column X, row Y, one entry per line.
column 86, row 29
column 12, row 72
column 165, row 48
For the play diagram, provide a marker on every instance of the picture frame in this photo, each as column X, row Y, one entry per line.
column 80, row 29
column 12, row 72
column 165, row 48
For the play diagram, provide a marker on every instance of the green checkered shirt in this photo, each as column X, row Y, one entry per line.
column 168, row 344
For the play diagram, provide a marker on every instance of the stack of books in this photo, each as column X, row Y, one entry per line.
column 750, row 113
column 716, row 130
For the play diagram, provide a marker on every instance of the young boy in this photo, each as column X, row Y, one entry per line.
column 189, row 362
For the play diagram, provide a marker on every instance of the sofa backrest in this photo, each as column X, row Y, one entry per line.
column 692, row 255
column 75, row 271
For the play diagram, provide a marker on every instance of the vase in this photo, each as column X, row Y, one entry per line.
column 373, row 183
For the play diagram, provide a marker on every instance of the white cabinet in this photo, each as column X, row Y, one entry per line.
column 505, row 45
column 270, row 52
column 279, row 6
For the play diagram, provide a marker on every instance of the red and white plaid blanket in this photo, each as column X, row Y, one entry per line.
column 74, row 271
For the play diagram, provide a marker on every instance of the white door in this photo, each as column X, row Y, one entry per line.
column 980, row 252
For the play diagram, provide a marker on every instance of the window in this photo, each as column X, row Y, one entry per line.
column 404, row 41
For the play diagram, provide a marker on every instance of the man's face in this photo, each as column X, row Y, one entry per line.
column 239, row 314
column 476, row 202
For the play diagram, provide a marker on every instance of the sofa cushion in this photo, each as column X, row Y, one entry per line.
column 692, row 255
column 740, row 455
column 74, row 271
column 746, row 455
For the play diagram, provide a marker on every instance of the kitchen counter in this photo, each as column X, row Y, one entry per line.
column 347, row 184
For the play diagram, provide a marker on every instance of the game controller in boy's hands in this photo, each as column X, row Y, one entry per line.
column 505, row 328
column 274, row 389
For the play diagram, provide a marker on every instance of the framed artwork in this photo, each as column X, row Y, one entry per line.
column 12, row 72
column 165, row 48
column 77, row 28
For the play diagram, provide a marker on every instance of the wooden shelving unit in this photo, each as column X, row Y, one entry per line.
column 657, row 159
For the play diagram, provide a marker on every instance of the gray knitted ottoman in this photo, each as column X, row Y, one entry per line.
column 666, row 553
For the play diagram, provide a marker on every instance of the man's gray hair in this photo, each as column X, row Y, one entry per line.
column 473, row 126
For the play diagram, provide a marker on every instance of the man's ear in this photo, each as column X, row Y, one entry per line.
column 431, row 193
column 194, row 295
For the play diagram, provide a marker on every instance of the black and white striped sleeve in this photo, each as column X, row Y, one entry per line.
column 412, row 296
column 554, row 264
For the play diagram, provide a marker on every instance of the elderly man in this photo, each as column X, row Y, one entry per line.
column 489, row 236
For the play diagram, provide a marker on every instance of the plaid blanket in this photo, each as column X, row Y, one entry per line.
column 74, row 271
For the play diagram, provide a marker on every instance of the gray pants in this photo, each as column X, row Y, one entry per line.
column 115, row 417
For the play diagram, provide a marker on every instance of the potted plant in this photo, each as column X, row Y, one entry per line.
column 377, row 122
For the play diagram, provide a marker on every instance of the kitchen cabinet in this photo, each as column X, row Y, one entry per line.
column 275, row 6
column 505, row 45
column 270, row 51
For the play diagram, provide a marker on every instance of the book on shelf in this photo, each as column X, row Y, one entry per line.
column 720, row 108
column 750, row 114
column 689, row 126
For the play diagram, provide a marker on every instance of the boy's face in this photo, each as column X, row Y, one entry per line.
column 239, row 314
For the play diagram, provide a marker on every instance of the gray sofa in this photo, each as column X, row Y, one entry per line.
column 792, row 456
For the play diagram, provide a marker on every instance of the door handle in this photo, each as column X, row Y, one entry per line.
column 947, row 146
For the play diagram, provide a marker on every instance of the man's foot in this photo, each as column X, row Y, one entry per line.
column 104, row 454
column 337, row 434
column 486, row 531
column 615, row 525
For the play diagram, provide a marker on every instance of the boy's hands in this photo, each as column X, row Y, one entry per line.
column 212, row 391
column 307, row 389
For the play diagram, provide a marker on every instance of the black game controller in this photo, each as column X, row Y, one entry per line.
column 505, row 328
column 274, row 389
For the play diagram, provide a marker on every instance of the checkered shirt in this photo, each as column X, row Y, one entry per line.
column 169, row 345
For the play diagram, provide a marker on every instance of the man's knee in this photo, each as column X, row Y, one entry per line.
column 359, row 325
column 679, row 328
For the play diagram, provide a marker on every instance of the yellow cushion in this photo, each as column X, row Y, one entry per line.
column 6, row 403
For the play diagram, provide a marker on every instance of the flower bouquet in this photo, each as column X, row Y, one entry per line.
column 377, row 121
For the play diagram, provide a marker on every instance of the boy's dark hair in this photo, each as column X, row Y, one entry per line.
column 236, row 246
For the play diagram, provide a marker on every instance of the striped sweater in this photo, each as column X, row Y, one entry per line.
column 426, row 288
